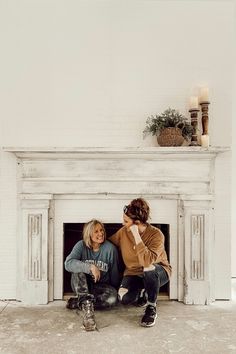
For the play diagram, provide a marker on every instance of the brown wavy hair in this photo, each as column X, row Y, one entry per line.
column 138, row 209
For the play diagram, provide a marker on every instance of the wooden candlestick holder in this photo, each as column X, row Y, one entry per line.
column 194, row 122
column 205, row 119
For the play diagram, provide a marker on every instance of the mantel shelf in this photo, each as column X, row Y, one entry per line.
column 73, row 151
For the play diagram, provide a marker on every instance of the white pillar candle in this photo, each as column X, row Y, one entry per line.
column 193, row 103
column 204, row 94
column 205, row 140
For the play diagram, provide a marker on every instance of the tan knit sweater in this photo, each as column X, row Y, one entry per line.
column 151, row 250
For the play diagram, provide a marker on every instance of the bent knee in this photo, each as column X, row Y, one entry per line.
column 122, row 292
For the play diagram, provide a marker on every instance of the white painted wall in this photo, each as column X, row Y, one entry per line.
column 88, row 73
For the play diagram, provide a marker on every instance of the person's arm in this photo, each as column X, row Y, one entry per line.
column 73, row 261
column 135, row 232
column 152, row 252
column 115, row 239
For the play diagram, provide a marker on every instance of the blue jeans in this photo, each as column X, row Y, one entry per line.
column 151, row 281
column 105, row 296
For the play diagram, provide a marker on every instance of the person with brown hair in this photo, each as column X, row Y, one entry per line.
column 146, row 264
column 95, row 278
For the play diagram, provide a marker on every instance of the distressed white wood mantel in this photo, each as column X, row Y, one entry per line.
column 184, row 175
column 24, row 151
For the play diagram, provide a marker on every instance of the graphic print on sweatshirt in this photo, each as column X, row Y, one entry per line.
column 100, row 264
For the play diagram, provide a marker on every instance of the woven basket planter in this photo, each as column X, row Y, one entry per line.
column 170, row 137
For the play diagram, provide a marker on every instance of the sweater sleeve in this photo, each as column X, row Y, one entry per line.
column 152, row 252
column 115, row 239
column 73, row 261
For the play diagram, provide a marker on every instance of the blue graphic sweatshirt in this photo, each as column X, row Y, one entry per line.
column 106, row 259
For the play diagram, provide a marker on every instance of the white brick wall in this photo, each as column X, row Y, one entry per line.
column 88, row 73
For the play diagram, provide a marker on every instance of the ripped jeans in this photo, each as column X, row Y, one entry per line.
column 150, row 281
column 105, row 296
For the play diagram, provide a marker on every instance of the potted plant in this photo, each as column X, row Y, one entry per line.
column 171, row 128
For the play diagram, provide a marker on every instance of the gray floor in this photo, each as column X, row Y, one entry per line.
column 179, row 329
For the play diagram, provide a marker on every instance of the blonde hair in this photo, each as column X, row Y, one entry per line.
column 88, row 231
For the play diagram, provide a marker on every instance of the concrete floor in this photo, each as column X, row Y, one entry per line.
column 180, row 328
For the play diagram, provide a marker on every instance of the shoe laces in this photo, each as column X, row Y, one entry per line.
column 150, row 310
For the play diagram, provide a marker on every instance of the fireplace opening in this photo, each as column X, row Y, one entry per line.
column 73, row 233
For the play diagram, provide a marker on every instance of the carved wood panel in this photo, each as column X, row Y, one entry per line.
column 197, row 247
column 34, row 246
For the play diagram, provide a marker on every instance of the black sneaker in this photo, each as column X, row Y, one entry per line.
column 72, row 303
column 142, row 299
column 149, row 317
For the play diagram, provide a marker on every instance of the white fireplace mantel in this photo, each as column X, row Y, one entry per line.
column 184, row 175
column 73, row 151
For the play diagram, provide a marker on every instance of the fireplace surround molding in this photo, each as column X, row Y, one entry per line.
column 182, row 175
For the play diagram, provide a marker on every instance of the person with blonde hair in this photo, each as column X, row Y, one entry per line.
column 95, row 279
column 146, row 264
